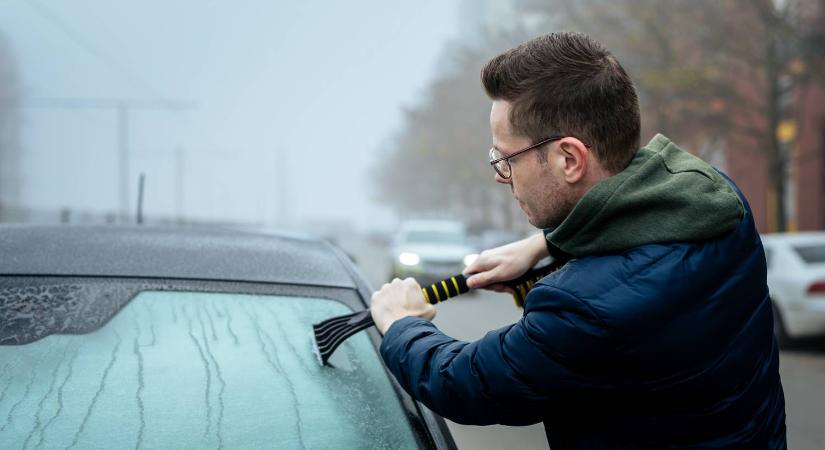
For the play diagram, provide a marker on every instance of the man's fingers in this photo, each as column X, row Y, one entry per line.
column 476, row 281
column 487, row 285
column 481, row 264
column 482, row 279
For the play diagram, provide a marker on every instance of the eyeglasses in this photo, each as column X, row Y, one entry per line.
column 501, row 163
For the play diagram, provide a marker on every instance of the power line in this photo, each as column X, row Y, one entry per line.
column 89, row 46
column 94, row 103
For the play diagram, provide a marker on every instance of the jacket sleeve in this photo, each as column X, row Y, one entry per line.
column 511, row 376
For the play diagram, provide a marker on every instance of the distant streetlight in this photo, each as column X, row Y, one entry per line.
column 786, row 131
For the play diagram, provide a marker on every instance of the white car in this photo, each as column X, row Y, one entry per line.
column 796, row 280
column 430, row 250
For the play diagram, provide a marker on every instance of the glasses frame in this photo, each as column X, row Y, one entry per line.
column 494, row 162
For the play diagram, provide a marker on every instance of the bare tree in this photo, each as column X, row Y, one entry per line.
column 711, row 74
column 437, row 163
column 709, row 71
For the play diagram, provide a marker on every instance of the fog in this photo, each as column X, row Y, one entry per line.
column 282, row 107
column 343, row 119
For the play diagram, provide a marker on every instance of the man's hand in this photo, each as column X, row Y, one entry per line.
column 397, row 300
column 505, row 263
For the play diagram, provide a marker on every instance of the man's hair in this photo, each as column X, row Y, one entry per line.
column 570, row 85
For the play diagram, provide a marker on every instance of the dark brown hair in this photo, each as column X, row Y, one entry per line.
column 568, row 84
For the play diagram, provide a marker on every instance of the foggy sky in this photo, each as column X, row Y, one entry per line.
column 321, row 83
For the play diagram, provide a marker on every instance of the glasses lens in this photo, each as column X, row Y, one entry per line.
column 501, row 167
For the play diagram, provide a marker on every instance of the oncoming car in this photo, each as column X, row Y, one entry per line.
column 430, row 250
column 796, row 279
column 128, row 337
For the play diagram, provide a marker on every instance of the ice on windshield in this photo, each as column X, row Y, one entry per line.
column 195, row 370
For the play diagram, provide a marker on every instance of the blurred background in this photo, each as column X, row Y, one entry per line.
column 348, row 120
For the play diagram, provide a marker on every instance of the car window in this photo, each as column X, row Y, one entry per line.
column 811, row 254
column 434, row 237
column 188, row 369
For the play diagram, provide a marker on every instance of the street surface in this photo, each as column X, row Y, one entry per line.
column 469, row 317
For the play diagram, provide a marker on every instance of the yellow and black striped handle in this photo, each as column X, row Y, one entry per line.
column 446, row 288
column 330, row 333
column 523, row 284
column 457, row 285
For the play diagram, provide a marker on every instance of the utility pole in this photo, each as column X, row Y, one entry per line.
column 180, row 171
column 123, row 109
column 141, row 186
column 123, row 158
column 281, row 186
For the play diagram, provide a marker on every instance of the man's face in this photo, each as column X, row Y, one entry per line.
column 538, row 187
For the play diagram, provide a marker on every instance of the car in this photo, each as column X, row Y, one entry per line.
column 796, row 280
column 143, row 337
column 430, row 250
column 496, row 237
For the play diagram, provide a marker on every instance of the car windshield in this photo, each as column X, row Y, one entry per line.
column 434, row 237
column 187, row 369
column 811, row 254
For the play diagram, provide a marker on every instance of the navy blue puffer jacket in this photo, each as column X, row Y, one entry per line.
column 656, row 345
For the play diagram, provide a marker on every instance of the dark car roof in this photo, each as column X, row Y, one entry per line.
column 169, row 252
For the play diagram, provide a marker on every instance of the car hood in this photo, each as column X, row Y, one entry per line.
column 436, row 252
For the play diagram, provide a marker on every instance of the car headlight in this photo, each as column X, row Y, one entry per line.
column 470, row 258
column 409, row 259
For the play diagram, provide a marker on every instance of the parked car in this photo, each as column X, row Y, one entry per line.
column 496, row 237
column 129, row 337
column 796, row 279
column 430, row 250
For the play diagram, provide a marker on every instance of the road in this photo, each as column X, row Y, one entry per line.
column 469, row 317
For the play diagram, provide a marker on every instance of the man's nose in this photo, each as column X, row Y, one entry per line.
column 501, row 180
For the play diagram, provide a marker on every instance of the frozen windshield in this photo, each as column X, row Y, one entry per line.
column 196, row 370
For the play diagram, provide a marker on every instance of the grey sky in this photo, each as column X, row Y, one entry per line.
column 324, row 82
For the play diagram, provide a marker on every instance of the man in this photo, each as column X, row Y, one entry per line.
column 657, row 332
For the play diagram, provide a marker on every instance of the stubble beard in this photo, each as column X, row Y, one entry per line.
column 556, row 204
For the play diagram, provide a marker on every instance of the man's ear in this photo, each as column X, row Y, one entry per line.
column 576, row 159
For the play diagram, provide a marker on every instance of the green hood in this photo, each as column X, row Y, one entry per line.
column 664, row 195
